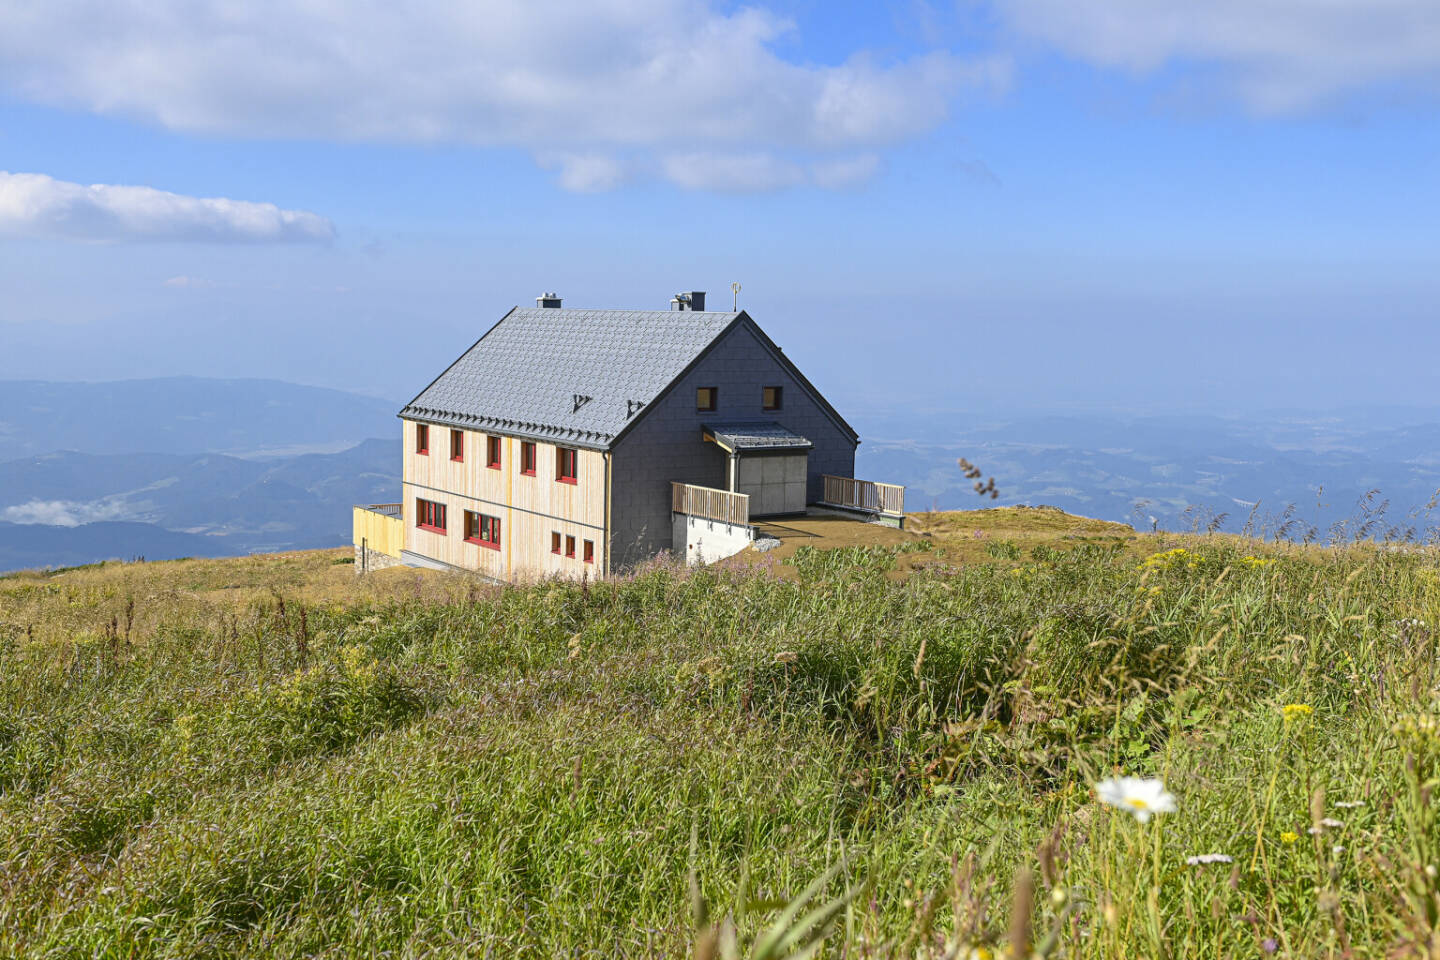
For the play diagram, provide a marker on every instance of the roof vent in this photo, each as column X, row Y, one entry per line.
column 580, row 401
column 633, row 407
column 549, row 300
column 689, row 300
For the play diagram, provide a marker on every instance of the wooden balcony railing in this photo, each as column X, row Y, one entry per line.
column 710, row 503
column 886, row 498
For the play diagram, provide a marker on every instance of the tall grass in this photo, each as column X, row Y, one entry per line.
column 662, row 764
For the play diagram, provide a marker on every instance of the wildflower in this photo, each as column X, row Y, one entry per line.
column 1269, row 945
column 1142, row 798
column 1205, row 858
column 1289, row 836
column 1294, row 710
column 1331, row 823
column 1349, row 804
column 1337, row 849
column 982, row 953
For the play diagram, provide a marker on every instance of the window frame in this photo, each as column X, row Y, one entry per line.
column 430, row 510
column 527, row 455
column 560, row 475
column 492, row 452
column 482, row 521
column 570, row 546
column 588, row 551
column 779, row 403
column 714, row 403
column 555, row 542
column 457, row 446
column 422, row 439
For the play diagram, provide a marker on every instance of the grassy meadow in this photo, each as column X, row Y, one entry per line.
column 875, row 750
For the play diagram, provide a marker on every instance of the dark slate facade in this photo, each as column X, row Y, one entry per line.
column 665, row 443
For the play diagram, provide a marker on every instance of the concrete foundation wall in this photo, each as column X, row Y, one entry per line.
column 704, row 541
column 666, row 444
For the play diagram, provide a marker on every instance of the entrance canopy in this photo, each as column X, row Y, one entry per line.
column 757, row 437
column 767, row 462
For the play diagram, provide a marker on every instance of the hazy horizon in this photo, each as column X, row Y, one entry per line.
column 1004, row 204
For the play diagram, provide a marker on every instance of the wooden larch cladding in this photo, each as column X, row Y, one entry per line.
column 380, row 527
column 886, row 498
column 529, row 507
column 710, row 503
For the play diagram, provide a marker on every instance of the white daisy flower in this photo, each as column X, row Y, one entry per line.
column 1205, row 858
column 1140, row 797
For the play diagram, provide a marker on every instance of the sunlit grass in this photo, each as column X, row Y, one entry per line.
column 265, row 757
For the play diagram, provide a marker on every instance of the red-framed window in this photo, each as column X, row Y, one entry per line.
column 483, row 529
column 430, row 515
column 771, row 397
column 707, row 399
column 422, row 438
column 527, row 458
column 565, row 465
column 589, row 551
column 570, row 547
column 492, row 453
column 555, row 542
column 457, row 445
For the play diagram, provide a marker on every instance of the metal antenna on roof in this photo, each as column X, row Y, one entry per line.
column 734, row 296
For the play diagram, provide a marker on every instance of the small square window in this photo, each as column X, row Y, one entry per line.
column 589, row 551
column 570, row 547
column 527, row 459
column 770, row 398
column 492, row 453
column 555, row 543
column 457, row 445
column 707, row 398
column 422, row 438
column 565, row 465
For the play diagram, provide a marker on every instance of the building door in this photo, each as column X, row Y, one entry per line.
column 775, row 482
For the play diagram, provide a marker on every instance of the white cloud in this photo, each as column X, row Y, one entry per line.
column 184, row 281
column 586, row 172
column 64, row 513
column 32, row 204
column 734, row 173
column 1276, row 55
column 596, row 90
column 845, row 172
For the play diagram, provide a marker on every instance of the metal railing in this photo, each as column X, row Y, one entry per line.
column 710, row 503
column 384, row 509
column 886, row 498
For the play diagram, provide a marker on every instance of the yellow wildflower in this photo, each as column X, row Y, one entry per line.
column 1293, row 711
column 1289, row 836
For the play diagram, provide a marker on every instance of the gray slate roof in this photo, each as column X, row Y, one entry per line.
column 763, row 435
column 527, row 375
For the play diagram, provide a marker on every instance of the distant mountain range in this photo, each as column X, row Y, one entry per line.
column 1301, row 472
column 185, row 467
column 196, row 467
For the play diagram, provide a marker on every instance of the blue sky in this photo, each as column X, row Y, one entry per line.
column 1152, row 205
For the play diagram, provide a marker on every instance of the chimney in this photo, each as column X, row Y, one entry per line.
column 690, row 300
column 548, row 300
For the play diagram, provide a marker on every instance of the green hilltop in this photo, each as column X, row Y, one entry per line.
column 882, row 747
